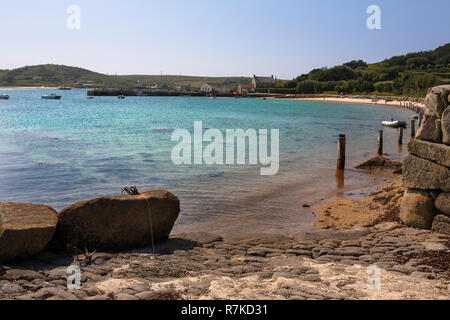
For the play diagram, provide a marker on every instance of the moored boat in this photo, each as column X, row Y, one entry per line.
column 395, row 123
column 51, row 96
column 64, row 88
column 4, row 97
column 120, row 97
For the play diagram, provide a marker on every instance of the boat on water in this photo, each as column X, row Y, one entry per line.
column 394, row 123
column 90, row 98
column 64, row 88
column 120, row 97
column 51, row 96
column 4, row 97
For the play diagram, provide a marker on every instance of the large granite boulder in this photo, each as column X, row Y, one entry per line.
column 445, row 126
column 417, row 209
column 441, row 224
column 430, row 129
column 25, row 230
column 424, row 174
column 116, row 223
column 436, row 100
column 436, row 152
column 442, row 203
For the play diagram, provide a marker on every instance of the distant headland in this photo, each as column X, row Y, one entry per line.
column 411, row 74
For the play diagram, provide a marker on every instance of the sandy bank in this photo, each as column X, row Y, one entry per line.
column 394, row 103
column 380, row 206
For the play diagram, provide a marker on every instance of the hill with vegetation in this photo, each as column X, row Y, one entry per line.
column 50, row 75
column 411, row 74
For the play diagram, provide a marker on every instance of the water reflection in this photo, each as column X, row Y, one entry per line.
column 340, row 179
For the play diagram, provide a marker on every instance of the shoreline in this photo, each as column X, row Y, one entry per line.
column 398, row 104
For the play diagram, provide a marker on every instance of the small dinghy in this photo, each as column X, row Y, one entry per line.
column 4, row 97
column 120, row 97
column 51, row 97
column 395, row 123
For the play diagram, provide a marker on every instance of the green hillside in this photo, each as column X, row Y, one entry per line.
column 411, row 74
column 59, row 75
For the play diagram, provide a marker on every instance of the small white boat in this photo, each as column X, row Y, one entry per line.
column 395, row 123
column 4, row 97
column 51, row 97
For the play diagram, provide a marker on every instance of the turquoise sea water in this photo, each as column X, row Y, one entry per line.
column 58, row 152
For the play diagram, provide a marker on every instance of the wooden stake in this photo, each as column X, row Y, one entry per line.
column 413, row 128
column 380, row 142
column 400, row 136
column 341, row 152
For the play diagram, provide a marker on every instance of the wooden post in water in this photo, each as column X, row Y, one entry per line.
column 341, row 152
column 400, row 136
column 380, row 143
column 413, row 128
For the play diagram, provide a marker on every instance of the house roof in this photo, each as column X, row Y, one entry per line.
column 264, row 79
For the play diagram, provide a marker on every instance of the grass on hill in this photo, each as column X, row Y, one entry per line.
column 59, row 75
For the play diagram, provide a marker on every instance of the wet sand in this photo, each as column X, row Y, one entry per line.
column 290, row 209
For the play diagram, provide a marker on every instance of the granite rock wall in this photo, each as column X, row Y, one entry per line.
column 426, row 170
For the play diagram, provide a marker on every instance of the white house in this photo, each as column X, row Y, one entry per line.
column 217, row 88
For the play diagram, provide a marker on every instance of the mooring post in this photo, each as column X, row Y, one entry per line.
column 341, row 152
column 400, row 136
column 413, row 128
column 380, row 143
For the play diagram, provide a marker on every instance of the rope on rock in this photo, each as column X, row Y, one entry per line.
column 133, row 191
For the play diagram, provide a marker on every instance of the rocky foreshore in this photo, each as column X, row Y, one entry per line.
column 327, row 264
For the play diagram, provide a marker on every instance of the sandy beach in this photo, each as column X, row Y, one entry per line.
column 383, row 102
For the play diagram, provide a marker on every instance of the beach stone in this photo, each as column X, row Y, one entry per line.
column 115, row 223
column 54, row 293
column 11, row 288
column 441, row 224
column 25, row 230
column 425, row 174
column 445, row 126
column 417, row 209
column 201, row 237
column 442, row 203
column 436, row 152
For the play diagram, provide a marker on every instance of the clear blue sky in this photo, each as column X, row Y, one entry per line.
column 216, row 37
